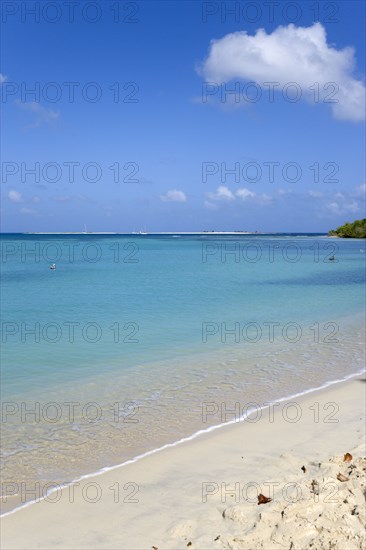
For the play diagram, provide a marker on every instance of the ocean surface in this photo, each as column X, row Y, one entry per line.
column 137, row 341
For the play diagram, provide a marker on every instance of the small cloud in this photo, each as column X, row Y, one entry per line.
column 264, row 199
column 351, row 207
column 2, row 78
column 315, row 194
column 174, row 196
column 222, row 193
column 210, row 205
column 41, row 114
column 15, row 196
column 361, row 189
column 344, row 208
column 245, row 194
column 36, row 199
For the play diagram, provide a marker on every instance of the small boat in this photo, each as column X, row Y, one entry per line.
column 53, row 266
column 332, row 258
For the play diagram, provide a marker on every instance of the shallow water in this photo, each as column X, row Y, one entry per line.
column 132, row 339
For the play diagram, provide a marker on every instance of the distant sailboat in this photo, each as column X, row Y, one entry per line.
column 53, row 266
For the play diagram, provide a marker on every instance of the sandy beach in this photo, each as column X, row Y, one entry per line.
column 203, row 493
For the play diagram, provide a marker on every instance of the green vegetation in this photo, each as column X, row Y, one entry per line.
column 355, row 230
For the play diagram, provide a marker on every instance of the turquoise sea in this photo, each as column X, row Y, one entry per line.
column 127, row 344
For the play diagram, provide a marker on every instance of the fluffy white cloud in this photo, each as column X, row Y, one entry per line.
column 2, row 78
column 15, row 196
column 290, row 54
column 245, row 194
column 174, row 196
column 222, row 193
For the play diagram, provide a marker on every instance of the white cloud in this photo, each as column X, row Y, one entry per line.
column 245, row 194
column 315, row 194
column 344, row 208
column 2, row 78
column 264, row 198
column 41, row 114
column 334, row 207
column 210, row 205
column 222, row 193
column 174, row 195
column 290, row 54
column 15, row 196
column 361, row 190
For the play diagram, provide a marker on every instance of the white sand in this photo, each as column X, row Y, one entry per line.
column 170, row 511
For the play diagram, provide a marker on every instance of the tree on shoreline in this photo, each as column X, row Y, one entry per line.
column 355, row 230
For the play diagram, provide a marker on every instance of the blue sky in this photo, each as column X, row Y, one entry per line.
column 150, row 101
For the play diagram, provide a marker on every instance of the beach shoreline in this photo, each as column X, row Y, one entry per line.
column 166, row 471
column 13, row 503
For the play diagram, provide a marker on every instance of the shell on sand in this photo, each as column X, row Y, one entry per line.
column 263, row 500
column 341, row 477
column 347, row 457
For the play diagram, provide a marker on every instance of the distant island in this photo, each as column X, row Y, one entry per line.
column 355, row 230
